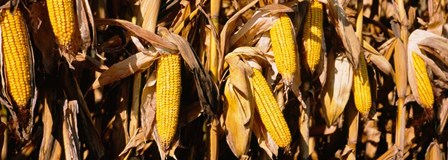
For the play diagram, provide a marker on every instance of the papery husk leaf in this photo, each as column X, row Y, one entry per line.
column 241, row 70
column 148, row 105
column 238, row 113
column 337, row 88
column 265, row 141
column 434, row 152
column 381, row 63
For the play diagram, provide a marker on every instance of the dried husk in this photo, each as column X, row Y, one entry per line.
column 336, row 92
column 239, row 107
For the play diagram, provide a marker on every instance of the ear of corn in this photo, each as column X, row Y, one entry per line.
column 270, row 113
column 168, row 91
column 361, row 87
column 16, row 55
column 283, row 45
column 62, row 18
column 312, row 35
column 424, row 89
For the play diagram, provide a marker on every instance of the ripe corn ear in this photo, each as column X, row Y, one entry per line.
column 16, row 56
column 62, row 18
column 168, row 91
column 361, row 87
column 312, row 35
column 270, row 113
column 283, row 45
column 424, row 88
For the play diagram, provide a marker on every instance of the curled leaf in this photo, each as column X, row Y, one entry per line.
column 122, row 69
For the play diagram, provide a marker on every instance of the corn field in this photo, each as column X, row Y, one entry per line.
column 224, row 79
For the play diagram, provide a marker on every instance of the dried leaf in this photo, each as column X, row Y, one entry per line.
column 276, row 8
column 137, row 141
column 83, row 25
column 437, row 17
column 47, row 138
column 443, row 115
column 346, row 32
column 400, row 64
column 382, row 63
column 127, row 67
column 231, row 24
column 70, row 130
column 152, row 38
column 252, row 30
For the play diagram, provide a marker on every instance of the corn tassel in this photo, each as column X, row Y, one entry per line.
column 62, row 18
column 16, row 55
column 361, row 87
column 312, row 35
column 270, row 113
column 424, row 88
column 283, row 45
column 168, row 91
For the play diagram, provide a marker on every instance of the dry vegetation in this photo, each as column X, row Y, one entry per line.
column 224, row 79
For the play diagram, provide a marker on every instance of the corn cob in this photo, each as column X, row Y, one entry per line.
column 270, row 113
column 168, row 90
column 15, row 46
column 312, row 35
column 62, row 18
column 283, row 45
column 424, row 89
column 361, row 87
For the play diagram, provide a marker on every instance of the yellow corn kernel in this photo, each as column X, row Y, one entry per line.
column 424, row 88
column 283, row 45
column 168, row 91
column 16, row 56
column 270, row 113
column 312, row 35
column 62, row 18
column 361, row 87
